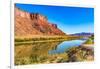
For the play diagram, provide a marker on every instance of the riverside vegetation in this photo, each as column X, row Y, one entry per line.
column 28, row 40
column 37, row 53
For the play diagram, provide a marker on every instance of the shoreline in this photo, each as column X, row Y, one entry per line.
column 88, row 45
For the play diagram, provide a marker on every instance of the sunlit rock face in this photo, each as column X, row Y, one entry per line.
column 34, row 24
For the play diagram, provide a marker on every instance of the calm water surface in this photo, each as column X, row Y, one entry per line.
column 41, row 51
column 63, row 46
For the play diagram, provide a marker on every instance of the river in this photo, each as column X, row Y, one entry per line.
column 42, row 51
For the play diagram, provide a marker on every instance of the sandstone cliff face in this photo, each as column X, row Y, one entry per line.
column 33, row 24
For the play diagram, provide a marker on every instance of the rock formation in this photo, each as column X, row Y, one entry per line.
column 27, row 23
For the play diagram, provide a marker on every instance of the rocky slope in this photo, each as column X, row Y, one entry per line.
column 34, row 24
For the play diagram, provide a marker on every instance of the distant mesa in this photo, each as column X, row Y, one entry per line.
column 34, row 24
column 83, row 34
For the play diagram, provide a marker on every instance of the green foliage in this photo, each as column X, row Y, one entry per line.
column 90, row 40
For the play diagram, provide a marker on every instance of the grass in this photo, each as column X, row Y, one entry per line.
column 57, row 58
column 30, row 40
column 90, row 40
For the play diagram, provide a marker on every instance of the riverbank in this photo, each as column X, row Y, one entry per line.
column 38, row 51
column 74, row 54
column 27, row 40
column 81, row 53
column 88, row 45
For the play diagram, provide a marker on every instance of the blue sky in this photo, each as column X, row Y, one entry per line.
column 68, row 19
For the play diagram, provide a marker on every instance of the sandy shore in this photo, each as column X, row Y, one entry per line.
column 90, row 46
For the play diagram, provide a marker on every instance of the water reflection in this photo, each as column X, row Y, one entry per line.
column 62, row 47
column 42, row 52
column 33, row 53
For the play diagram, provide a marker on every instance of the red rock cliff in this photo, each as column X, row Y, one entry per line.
column 33, row 24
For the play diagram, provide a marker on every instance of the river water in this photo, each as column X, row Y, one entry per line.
column 63, row 46
column 40, row 52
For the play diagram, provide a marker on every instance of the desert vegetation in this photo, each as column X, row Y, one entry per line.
column 78, row 54
column 75, row 54
column 37, row 53
column 30, row 40
column 90, row 40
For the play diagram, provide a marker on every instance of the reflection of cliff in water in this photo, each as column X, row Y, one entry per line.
column 26, row 54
